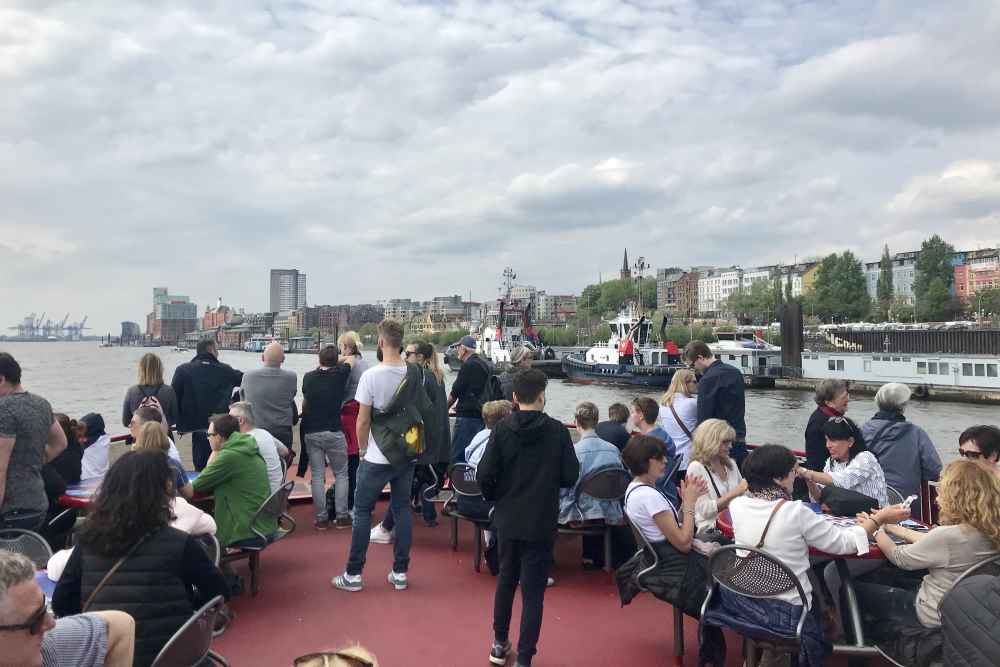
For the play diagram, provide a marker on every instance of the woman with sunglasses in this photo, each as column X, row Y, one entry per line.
column 710, row 462
column 850, row 465
column 129, row 558
column 981, row 445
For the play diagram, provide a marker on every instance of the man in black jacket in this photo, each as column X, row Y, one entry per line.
column 721, row 394
column 467, row 391
column 204, row 387
column 529, row 458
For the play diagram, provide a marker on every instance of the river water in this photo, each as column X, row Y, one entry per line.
column 82, row 377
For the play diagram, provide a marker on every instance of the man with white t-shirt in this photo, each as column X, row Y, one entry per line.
column 375, row 391
column 271, row 450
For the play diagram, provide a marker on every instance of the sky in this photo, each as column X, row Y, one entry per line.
column 407, row 149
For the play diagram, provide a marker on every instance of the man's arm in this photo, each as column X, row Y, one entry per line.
column 177, row 384
column 56, row 443
column 215, row 473
column 364, row 426
column 461, row 385
column 6, row 447
column 706, row 399
column 930, row 461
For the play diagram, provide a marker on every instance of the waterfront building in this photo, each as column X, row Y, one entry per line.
column 216, row 317
column 287, row 290
column 402, row 310
column 446, row 307
column 981, row 272
column 904, row 271
column 554, row 308
column 130, row 331
column 666, row 290
column 714, row 288
column 173, row 316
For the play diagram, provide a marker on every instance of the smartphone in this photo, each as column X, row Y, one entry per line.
column 909, row 501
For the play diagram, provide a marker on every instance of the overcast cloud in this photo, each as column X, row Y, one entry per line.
column 415, row 149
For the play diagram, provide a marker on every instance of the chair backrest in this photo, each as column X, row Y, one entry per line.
column 463, row 479
column 191, row 643
column 432, row 489
column 605, row 483
column 210, row 543
column 754, row 573
column 893, row 496
column 275, row 507
column 644, row 545
column 26, row 543
column 988, row 566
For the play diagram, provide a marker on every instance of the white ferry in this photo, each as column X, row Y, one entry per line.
column 924, row 371
column 746, row 349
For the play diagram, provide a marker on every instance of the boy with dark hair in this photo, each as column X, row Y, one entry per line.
column 645, row 412
column 613, row 430
column 529, row 458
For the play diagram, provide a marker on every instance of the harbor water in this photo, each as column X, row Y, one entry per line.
column 82, row 377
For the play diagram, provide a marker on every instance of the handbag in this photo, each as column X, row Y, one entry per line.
column 114, row 568
column 845, row 502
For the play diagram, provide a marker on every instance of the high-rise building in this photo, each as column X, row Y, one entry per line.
column 288, row 290
column 173, row 316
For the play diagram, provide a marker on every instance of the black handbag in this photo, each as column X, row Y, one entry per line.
column 845, row 502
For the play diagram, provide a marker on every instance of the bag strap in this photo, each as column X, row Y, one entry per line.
column 114, row 568
column 767, row 526
column 711, row 478
column 684, row 428
column 639, row 486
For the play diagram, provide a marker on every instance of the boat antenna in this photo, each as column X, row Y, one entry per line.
column 508, row 278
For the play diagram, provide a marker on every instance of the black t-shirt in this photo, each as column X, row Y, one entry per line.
column 323, row 390
column 613, row 432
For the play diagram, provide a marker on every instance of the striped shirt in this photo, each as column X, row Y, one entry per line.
column 862, row 474
column 80, row 640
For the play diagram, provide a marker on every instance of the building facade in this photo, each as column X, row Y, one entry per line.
column 287, row 290
column 666, row 290
column 904, row 271
column 981, row 271
column 173, row 316
column 714, row 288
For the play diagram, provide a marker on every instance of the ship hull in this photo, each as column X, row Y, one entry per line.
column 582, row 372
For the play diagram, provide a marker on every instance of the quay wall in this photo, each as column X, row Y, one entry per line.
column 920, row 391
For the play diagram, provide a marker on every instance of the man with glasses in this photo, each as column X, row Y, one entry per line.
column 981, row 444
column 29, row 635
column 721, row 394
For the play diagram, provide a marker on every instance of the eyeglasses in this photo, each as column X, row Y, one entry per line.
column 408, row 354
column 34, row 623
column 212, row 435
column 969, row 454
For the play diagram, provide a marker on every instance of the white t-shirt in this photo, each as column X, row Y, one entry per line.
column 269, row 452
column 173, row 453
column 642, row 505
column 474, row 452
column 687, row 410
column 95, row 458
column 376, row 388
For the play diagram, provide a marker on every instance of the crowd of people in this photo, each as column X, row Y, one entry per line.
column 137, row 570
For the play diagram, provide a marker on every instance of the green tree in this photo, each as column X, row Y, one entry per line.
column 884, row 289
column 987, row 302
column 756, row 304
column 607, row 298
column 840, row 292
column 933, row 280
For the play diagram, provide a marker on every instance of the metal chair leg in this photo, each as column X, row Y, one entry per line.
column 254, row 565
column 607, row 548
column 454, row 533
column 678, row 637
column 479, row 546
column 750, row 649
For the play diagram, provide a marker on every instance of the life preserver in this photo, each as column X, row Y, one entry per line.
column 921, row 391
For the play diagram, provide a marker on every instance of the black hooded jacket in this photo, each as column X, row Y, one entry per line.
column 203, row 386
column 528, row 459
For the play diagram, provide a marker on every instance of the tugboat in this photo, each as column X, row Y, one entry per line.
column 627, row 357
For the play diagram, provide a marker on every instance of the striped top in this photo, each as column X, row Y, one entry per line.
column 80, row 640
column 862, row 474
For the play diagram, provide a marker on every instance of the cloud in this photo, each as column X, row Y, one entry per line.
column 966, row 190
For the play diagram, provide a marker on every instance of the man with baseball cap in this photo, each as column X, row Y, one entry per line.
column 467, row 392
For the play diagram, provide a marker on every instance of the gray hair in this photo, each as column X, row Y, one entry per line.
column 827, row 390
column 243, row 409
column 14, row 569
column 892, row 397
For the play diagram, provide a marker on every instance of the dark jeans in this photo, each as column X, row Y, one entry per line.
column 738, row 453
column 526, row 563
column 372, row 478
column 352, row 477
column 884, row 609
column 623, row 547
column 200, row 449
column 426, row 507
column 465, row 429
column 23, row 519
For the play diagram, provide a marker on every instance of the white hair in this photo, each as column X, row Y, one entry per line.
column 243, row 409
column 892, row 397
column 14, row 569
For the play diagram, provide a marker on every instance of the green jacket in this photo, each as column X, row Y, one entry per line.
column 238, row 479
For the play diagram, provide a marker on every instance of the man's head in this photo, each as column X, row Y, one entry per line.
column 645, row 410
column 328, row 356
column 618, row 412
column 520, row 357
column 494, row 411
column 529, row 389
column 466, row 347
column 586, row 416
column 220, row 427
column 206, row 346
column 698, row 354
column 274, row 355
column 10, row 374
column 142, row 415
column 24, row 616
column 412, row 354
column 981, row 444
column 243, row 412
column 390, row 337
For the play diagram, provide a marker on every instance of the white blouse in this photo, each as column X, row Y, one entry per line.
column 706, row 509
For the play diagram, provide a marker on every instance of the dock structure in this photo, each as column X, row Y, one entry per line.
column 921, row 341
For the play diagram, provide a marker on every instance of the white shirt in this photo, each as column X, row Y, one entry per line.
column 687, row 410
column 474, row 452
column 269, row 452
column 706, row 509
column 862, row 474
column 173, row 453
column 95, row 458
column 642, row 505
column 794, row 529
column 375, row 389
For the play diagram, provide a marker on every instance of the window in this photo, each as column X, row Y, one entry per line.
column 868, row 365
column 895, row 358
column 943, row 369
column 831, row 365
column 980, row 370
column 991, row 370
column 967, row 370
column 921, row 368
column 745, row 361
column 840, row 364
column 932, row 368
column 732, row 357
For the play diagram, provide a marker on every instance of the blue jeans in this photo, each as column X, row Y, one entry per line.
column 372, row 478
column 465, row 429
column 427, row 508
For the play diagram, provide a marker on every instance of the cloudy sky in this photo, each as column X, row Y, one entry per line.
column 415, row 149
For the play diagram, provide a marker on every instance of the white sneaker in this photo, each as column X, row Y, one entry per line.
column 550, row 582
column 398, row 580
column 380, row 535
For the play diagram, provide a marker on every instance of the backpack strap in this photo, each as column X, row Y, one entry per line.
column 767, row 526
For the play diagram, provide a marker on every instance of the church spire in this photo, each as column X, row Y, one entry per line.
column 626, row 272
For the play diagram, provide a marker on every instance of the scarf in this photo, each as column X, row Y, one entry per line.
column 830, row 412
column 770, row 493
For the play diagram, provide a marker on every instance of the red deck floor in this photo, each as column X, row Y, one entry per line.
column 445, row 616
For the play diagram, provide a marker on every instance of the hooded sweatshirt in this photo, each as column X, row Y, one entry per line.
column 530, row 458
column 904, row 451
column 237, row 476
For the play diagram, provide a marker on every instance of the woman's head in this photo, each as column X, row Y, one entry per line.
column 892, row 397
column 151, row 436
column 969, row 494
column 770, row 467
column 645, row 454
column 69, row 426
column 712, row 440
column 150, row 369
column 833, row 394
column 684, row 383
column 843, row 439
column 134, row 499
column 349, row 343
column 586, row 416
column 494, row 411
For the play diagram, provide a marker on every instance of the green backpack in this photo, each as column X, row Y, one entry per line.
column 398, row 429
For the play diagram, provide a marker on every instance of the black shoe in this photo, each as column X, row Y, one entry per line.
column 499, row 652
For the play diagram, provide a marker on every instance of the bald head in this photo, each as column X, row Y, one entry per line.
column 274, row 355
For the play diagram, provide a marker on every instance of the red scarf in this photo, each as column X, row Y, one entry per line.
column 830, row 412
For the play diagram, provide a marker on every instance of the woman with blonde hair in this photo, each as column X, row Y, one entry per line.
column 350, row 346
column 710, row 462
column 151, row 436
column 679, row 412
column 150, row 390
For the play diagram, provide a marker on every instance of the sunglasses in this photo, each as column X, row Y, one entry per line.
column 969, row 454
column 34, row 624
column 408, row 354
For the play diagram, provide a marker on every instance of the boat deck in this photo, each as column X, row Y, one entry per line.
column 445, row 616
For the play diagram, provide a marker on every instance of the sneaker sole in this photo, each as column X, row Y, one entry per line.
column 379, row 540
column 499, row 661
column 396, row 585
column 350, row 588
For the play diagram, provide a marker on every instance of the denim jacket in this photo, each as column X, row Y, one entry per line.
column 593, row 453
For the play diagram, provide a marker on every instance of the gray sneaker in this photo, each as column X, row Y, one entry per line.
column 398, row 579
column 347, row 582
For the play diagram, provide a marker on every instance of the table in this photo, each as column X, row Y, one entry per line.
column 725, row 525
column 81, row 494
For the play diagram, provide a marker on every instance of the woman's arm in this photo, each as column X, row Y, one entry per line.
column 198, row 571
column 679, row 536
column 911, row 536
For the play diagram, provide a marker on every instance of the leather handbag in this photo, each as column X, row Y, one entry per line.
column 845, row 502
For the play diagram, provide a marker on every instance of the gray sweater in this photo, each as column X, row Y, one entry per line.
column 271, row 392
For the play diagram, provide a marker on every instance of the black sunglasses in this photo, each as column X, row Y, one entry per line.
column 34, row 623
column 408, row 353
column 969, row 454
